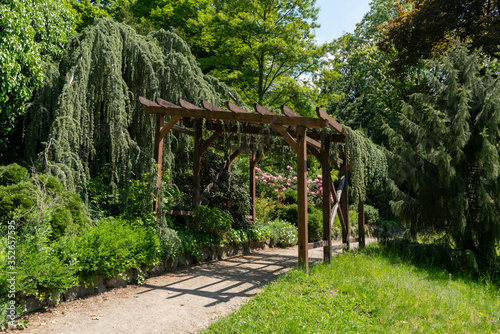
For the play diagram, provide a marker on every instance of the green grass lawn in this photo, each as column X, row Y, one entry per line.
column 364, row 292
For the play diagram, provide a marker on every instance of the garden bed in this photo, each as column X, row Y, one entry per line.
column 131, row 276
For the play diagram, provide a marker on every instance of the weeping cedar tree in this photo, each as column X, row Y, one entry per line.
column 445, row 159
column 86, row 119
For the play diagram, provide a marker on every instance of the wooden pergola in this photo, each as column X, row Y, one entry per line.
column 300, row 133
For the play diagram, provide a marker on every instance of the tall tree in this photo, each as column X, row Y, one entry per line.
column 426, row 26
column 31, row 31
column 446, row 152
column 366, row 91
column 262, row 47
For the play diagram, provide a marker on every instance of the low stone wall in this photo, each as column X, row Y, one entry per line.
column 101, row 284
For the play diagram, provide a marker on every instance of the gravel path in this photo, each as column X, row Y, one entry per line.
column 183, row 301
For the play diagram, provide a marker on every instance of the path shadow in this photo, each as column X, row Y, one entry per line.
column 224, row 280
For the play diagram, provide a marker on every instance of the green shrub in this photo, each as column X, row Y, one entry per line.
column 266, row 209
column 237, row 237
column 289, row 213
column 289, row 196
column 39, row 204
column 372, row 215
column 314, row 224
column 113, row 246
column 39, row 270
column 210, row 220
column 171, row 244
column 259, row 233
column 12, row 174
column 284, row 234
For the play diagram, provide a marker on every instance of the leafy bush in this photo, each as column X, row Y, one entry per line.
column 372, row 215
column 210, row 220
column 259, row 233
column 113, row 246
column 171, row 243
column 314, row 224
column 39, row 270
column 266, row 209
column 284, row 234
column 289, row 196
column 237, row 237
column 12, row 174
column 39, row 204
column 289, row 213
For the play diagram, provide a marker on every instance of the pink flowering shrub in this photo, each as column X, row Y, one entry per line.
column 276, row 186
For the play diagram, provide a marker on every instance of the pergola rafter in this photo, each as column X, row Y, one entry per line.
column 300, row 133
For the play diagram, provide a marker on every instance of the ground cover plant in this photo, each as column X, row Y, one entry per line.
column 368, row 292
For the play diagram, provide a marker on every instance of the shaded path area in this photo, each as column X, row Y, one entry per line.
column 183, row 301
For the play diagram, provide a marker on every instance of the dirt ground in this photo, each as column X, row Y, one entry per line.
column 183, row 301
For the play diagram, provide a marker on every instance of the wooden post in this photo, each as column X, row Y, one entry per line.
column 302, row 197
column 327, row 211
column 252, row 183
column 197, row 163
column 344, row 201
column 158, row 155
column 361, row 223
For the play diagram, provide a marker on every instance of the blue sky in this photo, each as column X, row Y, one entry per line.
column 339, row 16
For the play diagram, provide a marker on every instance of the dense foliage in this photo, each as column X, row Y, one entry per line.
column 426, row 28
column 86, row 117
column 32, row 32
column 446, row 158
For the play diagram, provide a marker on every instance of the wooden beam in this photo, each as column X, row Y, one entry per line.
column 210, row 106
column 183, row 130
column 158, row 155
column 317, row 244
column 234, row 108
column 333, row 123
column 313, row 143
column 197, row 163
column 164, row 104
column 179, row 213
column 314, row 152
column 345, row 203
column 327, row 227
column 151, row 107
column 361, row 223
column 281, row 130
column 261, row 110
column 237, row 117
column 187, row 105
column 252, row 185
column 289, row 112
column 237, row 152
column 287, row 137
column 302, row 197
column 205, row 144
column 170, row 124
column 322, row 243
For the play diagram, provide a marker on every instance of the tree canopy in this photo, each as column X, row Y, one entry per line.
column 262, row 47
column 32, row 32
column 426, row 28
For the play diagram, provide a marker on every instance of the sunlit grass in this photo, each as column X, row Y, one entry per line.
column 366, row 293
